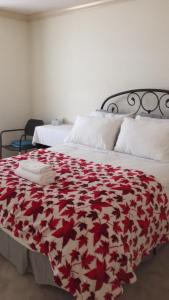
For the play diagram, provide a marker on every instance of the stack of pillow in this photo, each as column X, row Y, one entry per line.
column 140, row 136
column 98, row 130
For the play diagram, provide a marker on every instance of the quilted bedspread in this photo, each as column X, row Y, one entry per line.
column 95, row 223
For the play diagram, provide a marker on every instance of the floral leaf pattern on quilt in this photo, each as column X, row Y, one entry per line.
column 95, row 222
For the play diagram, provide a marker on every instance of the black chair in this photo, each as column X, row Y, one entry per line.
column 24, row 143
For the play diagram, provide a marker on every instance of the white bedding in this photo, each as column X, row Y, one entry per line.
column 157, row 168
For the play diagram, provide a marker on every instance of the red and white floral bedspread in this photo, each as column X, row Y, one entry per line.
column 95, row 223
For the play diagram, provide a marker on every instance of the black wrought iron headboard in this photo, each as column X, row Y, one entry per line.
column 149, row 101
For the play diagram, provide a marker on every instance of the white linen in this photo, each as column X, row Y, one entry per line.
column 96, row 132
column 51, row 135
column 144, row 138
column 159, row 169
column 34, row 166
column 41, row 179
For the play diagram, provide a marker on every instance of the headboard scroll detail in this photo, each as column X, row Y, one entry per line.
column 148, row 101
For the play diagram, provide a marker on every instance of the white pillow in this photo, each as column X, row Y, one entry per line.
column 95, row 132
column 122, row 116
column 144, row 138
column 152, row 119
column 99, row 113
column 104, row 113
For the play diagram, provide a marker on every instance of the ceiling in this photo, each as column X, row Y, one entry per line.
column 37, row 6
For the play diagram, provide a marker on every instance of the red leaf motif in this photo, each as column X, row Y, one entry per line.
column 116, row 212
column 144, row 224
column 98, row 274
column 73, row 285
column 86, row 260
column 58, row 281
column 8, row 195
column 98, row 204
column 127, row 225
column 62, row 203
column 125, row 208
column 74, row 255
column 140, row 211
column 66, row 232
column 35, row 190
column 81, row 214
column 146, row 179
column 52, row 246
column 65, row 270
column 11, row 219
column 85, row 287
column 24, row 204
column 69, row 212
column 44, row 248
column 116, row 227
column 49, row 211
column 98, row 230
column 93, row 215
column 82, row 241
column 126, row 189
column 82, row 226
column 34, row 210
column 123, row 260
column 38, row 237
column 103, row 249
column 108, row 296
column 163, row 215
column 124, row 276
column 149, row 198
column 53, row 223
column 43, row 223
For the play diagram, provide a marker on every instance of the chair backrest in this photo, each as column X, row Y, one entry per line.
column 30, row 126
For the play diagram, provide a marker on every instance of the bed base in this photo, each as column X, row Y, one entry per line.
column 26, row 261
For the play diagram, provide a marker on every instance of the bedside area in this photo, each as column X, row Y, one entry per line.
column 51, row 135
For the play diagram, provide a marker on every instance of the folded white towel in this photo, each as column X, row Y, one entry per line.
column 42, row 179
column 34, row 166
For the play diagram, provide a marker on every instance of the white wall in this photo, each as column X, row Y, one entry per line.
column 82, row 57
column 15, row 104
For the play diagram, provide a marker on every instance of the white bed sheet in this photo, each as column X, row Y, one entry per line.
column 159, row 169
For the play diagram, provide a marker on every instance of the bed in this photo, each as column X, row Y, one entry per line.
column 23, row 247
